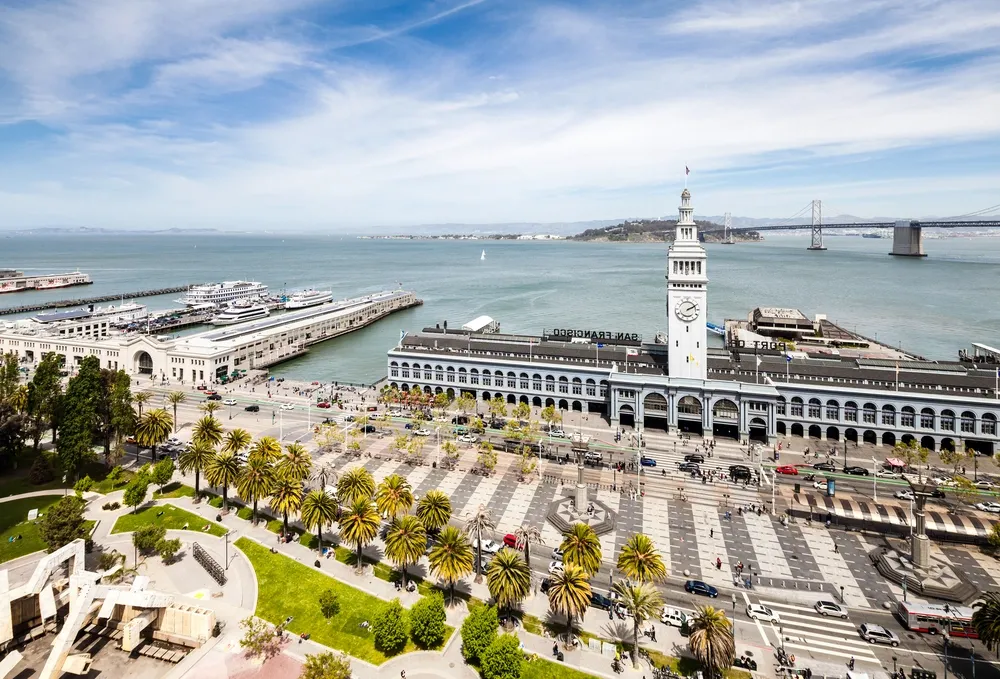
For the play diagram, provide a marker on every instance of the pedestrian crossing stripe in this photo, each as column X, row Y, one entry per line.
column 827, row 640
column 791, row 607
column 795, row 618
column 871, row 659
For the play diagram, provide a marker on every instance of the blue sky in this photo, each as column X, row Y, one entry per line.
column 340, row 114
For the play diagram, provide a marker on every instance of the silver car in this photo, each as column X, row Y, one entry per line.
column 876, row 634
column 826, row 608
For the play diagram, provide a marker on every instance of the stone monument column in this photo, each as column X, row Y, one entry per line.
column 920, row 544
column 581, row 487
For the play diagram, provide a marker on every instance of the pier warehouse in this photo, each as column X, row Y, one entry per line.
column 681, row 384
column 216, row 353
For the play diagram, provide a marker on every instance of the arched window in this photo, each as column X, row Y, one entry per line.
column 511, row 380
column 832, row 410
column 796, row 407
column 536, row 382
column 438, row 373
column 591, row 387
column 850, row 411
column 393, row 369
column 563, row 385
column 947, row 420
column 524, row 381
column 488, row 379
column 474, row 376
column 577, row 386
column 989, row 424
column 869, row 413
column 451, row 373
column 926, row 418
column 604, row 388
column 968, row 423
column 814, row 408
column 550, row 383
column 780, row 405
column 907, row 416
column 888, row 415
column 462, row 376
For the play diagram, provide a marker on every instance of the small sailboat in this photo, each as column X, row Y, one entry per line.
column 482, row 257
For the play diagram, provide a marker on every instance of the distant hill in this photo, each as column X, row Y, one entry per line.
column 101, row 231
column 656, row 230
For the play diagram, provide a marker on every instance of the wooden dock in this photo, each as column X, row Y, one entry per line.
column 61, row 303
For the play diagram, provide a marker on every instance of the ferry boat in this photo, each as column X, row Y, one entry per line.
column 875, row 234
column 15, row 281
column 240, row 313
column 226, row 292
column 307, row 298
column 124, row 312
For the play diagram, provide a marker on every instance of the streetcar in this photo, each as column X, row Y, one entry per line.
column 937, row 618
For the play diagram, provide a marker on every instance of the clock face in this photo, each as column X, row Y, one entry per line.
column 687, row 309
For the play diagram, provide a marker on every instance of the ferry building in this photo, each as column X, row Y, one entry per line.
column 678, row 383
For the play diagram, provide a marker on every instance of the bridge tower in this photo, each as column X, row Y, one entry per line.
column 817, row 226
column 727, row 230
column 908, row 240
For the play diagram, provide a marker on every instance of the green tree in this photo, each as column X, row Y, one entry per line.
column 167, row 549
column 223, row 471
column 986, row 618
column 478, row 526
column 479, row 629
column 237, row 440
column 259, row 639
column 451, row 557
column 175, row 398
column 389, row 627
column 994, row 537
column 255, row 482
column 434, row 510
column 569, row 593
column 286, row 498
column 912, row 453
column 965, row 489
column 487, row 457
column 465, row 403
column 498, row 407
column 639, row 560
column 135, row 492
column 210, row 408
column 79, row 420
column 207, row 430
column 427, row 621
column 451, row 453
column 642, row 601
column 84, row 485
column 163, row 471
column 146, row 538
column 508, row 578
column 582, row 547
column 63, row 523
column 296, row 463
column 711, row 640
column 525, row 536
column 153, row 429
column 405, row 542
column 194, row 459
column 319, row 509
column 267, row 448
column 359, row 525
column 503, row 658
column 550, row 416
column 355, row 484
column 326, row 665
column 141, row 399
column 522, row 411
column 10, row 376
column 393, row 496
column 44, row 393
column 329, row 603
column 116, row 419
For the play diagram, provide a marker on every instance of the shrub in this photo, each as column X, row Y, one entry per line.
column 41, row 471
column 63, row 523
column 135, row 493
column 216, row 502
column 259, row 639
column 168, row 549
column 389, row 627
column 115, row 475
column 503, row 658
column 84, row 485
column 329, row 604
column 110, row 506
column 245, row 513
column 427, row 621
column 148, row 537
column 326, row 666
column 994, row 537
column 478, row 631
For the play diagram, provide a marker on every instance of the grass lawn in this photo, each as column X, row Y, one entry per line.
column 171, row 517
column 175, row 489
column 286, row 588
column 105, row 486
column 13, row 521
column 546, row 669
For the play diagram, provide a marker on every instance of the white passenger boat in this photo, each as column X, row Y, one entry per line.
column 226, row 292
column 240, row 313
column 307, row 298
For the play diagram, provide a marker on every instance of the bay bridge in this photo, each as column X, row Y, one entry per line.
column 907, row 235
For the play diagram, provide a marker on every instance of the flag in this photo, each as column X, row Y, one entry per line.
column 758, row 361
column 631, row 351
column 686, row 171
column 788, row 357
column 402, row 334
column 600, row 346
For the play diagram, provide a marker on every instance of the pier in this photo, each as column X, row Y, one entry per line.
column 60, row 303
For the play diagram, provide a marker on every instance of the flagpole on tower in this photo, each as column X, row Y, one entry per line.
column 686, row 173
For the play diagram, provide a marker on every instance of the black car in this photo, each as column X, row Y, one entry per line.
column 739, row 471
column 252, row 409
column 598, row 600
column 702, row 588
column 688, row 467
column 856, row 471
column 825, row 466
column 937, row 492
column 215, row 397
column 546, row 583
column 369, row 429
column 460, row 419
column 694, row 457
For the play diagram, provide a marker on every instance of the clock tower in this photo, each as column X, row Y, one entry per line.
column 687, row 298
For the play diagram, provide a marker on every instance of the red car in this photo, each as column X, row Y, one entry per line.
column 322, row 404
column 510, row 541
column 787, row 469
column 209, row 392
column 202, row 387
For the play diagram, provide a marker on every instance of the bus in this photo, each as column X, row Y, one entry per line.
column 937, row 618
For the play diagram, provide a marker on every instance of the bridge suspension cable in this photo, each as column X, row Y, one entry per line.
column 985, row 211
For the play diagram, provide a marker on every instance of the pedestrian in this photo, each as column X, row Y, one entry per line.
column 850, row 664
column 711, row 532
column 402, row 674
column 836, row 548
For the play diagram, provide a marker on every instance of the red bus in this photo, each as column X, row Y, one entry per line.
column 937, row 618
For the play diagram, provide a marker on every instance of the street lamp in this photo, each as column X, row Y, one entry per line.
column 874, row 480
column 841, row 594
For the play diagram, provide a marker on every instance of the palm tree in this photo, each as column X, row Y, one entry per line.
column 207, row 430
column 209, row 407
column 266, row 447
column 286, row 498
column 296, row 463
column 639, row 560
column 153, row 429
column 176, row 398
column 236, row 441
column 986, row 620
column 319, row 508
column 323, row 473
column 405, row 542
column 355, row 484
column 451, row 558
column 508, row 579
column 195, row 459
column 711, row 640
column 643, row 601
column 223, row 470
column 477, row 527
column 140, row 399
column 581, row 546
column 255, row 482
column 434, row 510
column 359, row 525
column 525, row 535
column 393, row 496
column 569, row 594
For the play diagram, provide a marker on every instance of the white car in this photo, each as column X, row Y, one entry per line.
column 903, row 495
column 421, row 432
column 672, row 617
column 942, row 480
column 229, row 402
column 826, row 608
column 759, row 612
column 820, row 485
column 556, row 567
column 489, row 546
column 984, row 485
column 558, row 433
column 468, row 438
column 287, row 406
column 888, row 474
column 557, row 554
column 991, row 507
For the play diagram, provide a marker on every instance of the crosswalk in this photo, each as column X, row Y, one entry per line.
column 806, row 633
